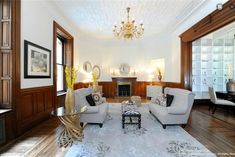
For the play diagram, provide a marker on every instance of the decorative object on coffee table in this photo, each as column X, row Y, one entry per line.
column 72, row 131
column 137, row 100
column 71, row 75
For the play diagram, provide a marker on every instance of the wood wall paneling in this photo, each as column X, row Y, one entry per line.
column 49, row 100
column 41, row 103
column 26, row 107
column 138, row 87
column 36, row 105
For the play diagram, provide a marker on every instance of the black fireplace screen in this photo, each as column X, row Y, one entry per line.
column 124, row 90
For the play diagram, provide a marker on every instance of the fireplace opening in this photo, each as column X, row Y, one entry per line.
column 124, row 89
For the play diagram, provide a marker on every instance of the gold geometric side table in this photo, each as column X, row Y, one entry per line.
column 72, row 131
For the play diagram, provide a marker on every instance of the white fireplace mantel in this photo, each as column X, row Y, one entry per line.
column 121, row 76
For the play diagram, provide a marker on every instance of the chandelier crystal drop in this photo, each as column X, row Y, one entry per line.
column 128, row 29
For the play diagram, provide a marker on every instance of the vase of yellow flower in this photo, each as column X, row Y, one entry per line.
column 94, row 81
column 71, row 75
column 159, row 74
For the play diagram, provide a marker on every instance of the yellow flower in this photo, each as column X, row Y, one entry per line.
column 71, row 75
column 158, row 71
column 94, row 76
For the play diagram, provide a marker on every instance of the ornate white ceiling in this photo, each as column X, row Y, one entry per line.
column 99, row 16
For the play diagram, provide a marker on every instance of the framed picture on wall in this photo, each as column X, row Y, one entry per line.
column 37, row 61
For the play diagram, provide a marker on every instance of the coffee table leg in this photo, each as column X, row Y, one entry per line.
column 139, row 119
column 123, row 121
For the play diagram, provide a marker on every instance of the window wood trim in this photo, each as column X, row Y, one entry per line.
column 68, row 51
column 212, row 22
column 63, row 64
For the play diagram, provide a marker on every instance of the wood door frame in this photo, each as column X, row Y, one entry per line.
column 69, row 48
column 214, row 21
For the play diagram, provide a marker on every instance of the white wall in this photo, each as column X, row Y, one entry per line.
column 37, row 26
column 111, row 53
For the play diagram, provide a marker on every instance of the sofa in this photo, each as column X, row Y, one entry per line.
column 93, row 114
column 178, row 112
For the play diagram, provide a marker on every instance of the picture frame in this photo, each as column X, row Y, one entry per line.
column 37, row 61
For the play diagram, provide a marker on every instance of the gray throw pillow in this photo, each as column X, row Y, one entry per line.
column 161, row 100
column 97, row 98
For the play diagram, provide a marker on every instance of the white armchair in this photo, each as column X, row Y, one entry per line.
column 178, row 112
column 217, row 101
column 93, row 114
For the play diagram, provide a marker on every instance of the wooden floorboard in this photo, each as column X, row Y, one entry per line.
column 218, row 135
column 216, row 132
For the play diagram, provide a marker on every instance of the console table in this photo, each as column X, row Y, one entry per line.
column 225, row 95
column 72, row 130
column 152, row 91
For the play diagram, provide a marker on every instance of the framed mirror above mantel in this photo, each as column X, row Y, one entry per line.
column 211, row 23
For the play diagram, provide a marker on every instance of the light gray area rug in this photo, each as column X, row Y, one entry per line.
column 149, row 141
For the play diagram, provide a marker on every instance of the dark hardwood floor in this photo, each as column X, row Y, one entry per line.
column 216, row 132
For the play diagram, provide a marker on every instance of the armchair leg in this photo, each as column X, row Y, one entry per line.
column 210, row 106
column 164, row 126
column 214, row 110
column 101, row 125
column 227, row 109
column 150, row 112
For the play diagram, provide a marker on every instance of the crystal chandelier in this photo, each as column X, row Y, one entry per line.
column 128, row 29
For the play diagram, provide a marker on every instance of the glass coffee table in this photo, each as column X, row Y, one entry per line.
column 72, row 130
column 130, row 115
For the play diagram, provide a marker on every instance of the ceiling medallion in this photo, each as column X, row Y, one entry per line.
column 128, row 29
